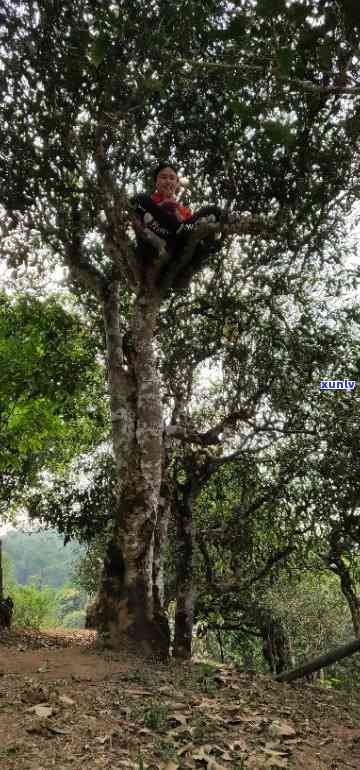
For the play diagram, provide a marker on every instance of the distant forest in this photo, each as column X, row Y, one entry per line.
column 41, row 555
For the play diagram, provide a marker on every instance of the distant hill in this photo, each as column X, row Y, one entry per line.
column 41, row 554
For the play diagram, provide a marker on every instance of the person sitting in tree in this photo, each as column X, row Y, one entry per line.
column 165, row 223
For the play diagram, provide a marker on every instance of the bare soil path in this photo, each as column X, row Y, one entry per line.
column 67, row 705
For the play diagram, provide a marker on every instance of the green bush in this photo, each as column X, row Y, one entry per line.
column 69, row 600
column 313, row 612
column 8, row 571
column 34, row 608
column 75, row 619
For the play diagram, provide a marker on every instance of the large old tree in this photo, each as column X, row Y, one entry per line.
column 258, row 104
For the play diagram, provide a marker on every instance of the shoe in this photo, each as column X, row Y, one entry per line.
column 189, row 227
column 185, row 228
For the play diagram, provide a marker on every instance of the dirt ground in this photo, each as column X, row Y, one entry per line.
column 65, row 704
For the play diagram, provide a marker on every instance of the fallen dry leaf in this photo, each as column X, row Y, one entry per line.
column 34, row 693
column 177, row 716
column 274, row 757
column 137, row 691
column 203, row 756
column 257, row 762
column 102, row 739
column 185, row 749
column 254, row 719
column 239, row 745
column 214, row 765
column 43, row 711
column 66, row 701
column 58, row 730
column 276, row 763
column 226, row 757
column 282, row 729
column 40, row 728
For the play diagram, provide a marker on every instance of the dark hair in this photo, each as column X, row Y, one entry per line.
column 164, row 165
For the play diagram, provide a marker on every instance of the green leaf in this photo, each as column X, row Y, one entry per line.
column 99, row 50
column 268, row 8
column 153, row 84
column 284, row 58
column 238, row 26
column 279, row 133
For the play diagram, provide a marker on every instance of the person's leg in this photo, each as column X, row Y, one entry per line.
column 156, row 234
column 204, row 249
column 212, row 214
column 208, row 245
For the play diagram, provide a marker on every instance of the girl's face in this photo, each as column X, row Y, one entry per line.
column 167, row 182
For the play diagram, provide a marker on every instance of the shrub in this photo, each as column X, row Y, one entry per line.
column 75, row 619
column 69, row 600
column 33, row 608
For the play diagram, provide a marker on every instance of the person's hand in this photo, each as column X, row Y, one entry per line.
column 169, row 202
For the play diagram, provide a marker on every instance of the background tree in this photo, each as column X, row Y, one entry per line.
column 49, row 378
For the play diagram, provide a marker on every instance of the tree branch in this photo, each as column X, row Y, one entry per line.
column 208, row 566
column 81, row 269
column 303, row 85
column 232, row 627
column 118, row 211
column 172, row 270
column 210, row 437
column 217, row 462
column 272, row 560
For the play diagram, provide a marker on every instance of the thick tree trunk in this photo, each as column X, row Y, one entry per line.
column 338, row 562
column 129, row 612
column 275, row 647
column 184, row 616
column 1, row 575
column 349, row 591
column 325, row 660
